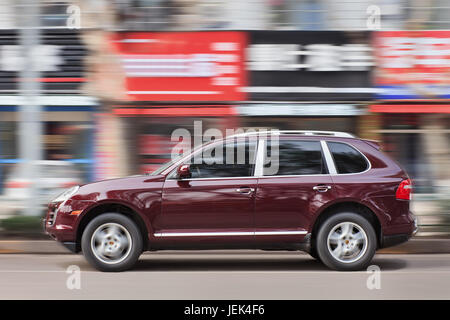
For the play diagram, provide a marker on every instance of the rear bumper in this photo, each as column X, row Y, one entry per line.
column 393, row 240
column 402, row 233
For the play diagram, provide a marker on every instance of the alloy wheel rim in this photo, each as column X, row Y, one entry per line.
column 347, row 242
column 111, row 243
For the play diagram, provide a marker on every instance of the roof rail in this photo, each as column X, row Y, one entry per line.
column 303, row 132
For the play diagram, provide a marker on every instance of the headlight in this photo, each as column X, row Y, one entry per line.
column 66, row 194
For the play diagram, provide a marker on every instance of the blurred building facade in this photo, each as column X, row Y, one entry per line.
column 115, row 86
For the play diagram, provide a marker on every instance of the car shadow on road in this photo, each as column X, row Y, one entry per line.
column 192, row 262
column 302, row 263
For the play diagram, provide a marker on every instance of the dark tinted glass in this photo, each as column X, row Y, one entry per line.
column 234, row 159
column 293, row 158
column 346, row 158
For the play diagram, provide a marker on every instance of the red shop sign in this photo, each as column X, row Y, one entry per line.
column 182, row 66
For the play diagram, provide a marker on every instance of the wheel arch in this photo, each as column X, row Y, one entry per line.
column 115, row 207
column 349, row 206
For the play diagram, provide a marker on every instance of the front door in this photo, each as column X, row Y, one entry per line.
column 217, row 203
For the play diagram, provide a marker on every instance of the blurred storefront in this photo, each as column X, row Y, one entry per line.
column 259, row 79
column 66, row 113
column 307, row 80
column 172, row 79
column 412, row 78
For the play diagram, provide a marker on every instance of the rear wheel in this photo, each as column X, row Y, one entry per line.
column 346, row 241
column 112, row 242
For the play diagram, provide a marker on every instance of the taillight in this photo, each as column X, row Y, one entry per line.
column 404, row 190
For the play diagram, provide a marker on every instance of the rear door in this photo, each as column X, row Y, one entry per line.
column 295, row 183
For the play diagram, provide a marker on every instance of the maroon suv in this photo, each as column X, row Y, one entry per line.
column 328, row 193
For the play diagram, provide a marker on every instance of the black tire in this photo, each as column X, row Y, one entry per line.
column 363, row 258
column 132, row 253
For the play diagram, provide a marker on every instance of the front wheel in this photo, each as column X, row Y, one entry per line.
column 112, row 242
column 346, row 241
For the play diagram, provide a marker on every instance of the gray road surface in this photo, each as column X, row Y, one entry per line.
column 224, row 275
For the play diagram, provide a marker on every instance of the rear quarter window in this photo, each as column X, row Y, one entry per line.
column 347, row 159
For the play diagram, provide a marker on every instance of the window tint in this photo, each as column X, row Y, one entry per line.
column 346, row 158
column 293, row 157
column 234, row 159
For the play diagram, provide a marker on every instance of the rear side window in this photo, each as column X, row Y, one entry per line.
column 346, row 158
column 293, row 157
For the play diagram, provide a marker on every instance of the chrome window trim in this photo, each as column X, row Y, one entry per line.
column 228, row 233
column 328, row 158
column 218, row 178
column 296, row 176
column 260, row 155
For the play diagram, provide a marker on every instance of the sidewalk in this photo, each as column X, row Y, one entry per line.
column 416, row 245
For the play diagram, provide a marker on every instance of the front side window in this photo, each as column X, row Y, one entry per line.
column 231, row 159
column 293, row 157
column 346, row 158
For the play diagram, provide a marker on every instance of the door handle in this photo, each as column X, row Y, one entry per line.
column 322, row 188
column 245, row 190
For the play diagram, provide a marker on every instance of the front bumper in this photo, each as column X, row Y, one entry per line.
column 72, row 246
column 393, row 240
column 60, row 223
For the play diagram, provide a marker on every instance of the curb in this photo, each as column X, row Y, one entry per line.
column 413, row 246
column 32, row 247
column 420, row 246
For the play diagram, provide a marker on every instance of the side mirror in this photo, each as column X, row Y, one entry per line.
column 183, row 171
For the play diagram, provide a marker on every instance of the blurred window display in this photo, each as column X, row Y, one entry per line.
column 347, row 124
column 420, row 142
column 54, row 178
column 60, row 59
column 164, row 15
column 412, row 64
column 63, row 141
column 149, row 139
column 8, row 140
column 166, row 66
column 67, row 140
column 309, row 66
column 276, row 14
column 8, row 148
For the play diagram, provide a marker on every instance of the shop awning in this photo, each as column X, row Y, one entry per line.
column 176, row 111
column 410, row 108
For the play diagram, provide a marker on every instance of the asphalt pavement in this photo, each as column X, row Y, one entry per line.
column 224, row 275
